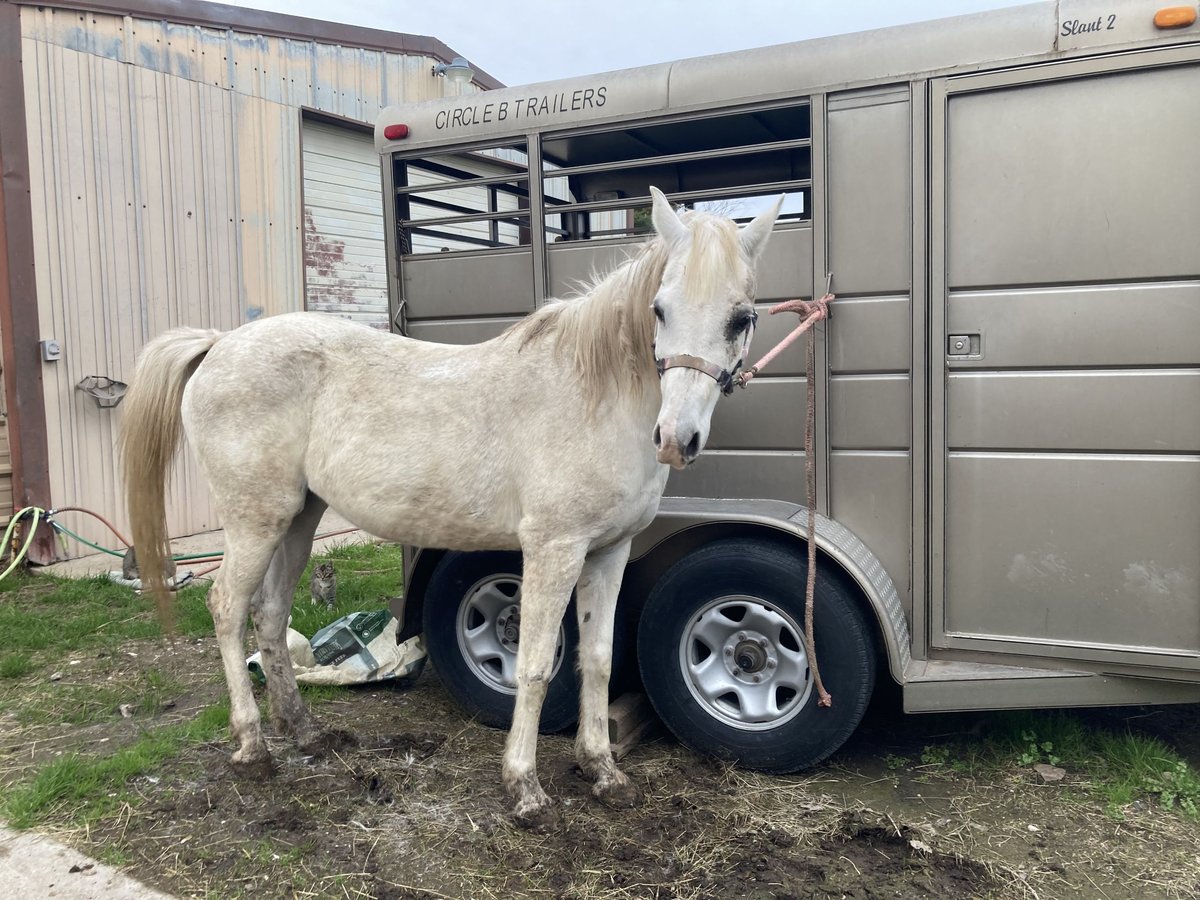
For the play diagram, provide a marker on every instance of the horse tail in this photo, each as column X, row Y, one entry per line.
column 150, row 433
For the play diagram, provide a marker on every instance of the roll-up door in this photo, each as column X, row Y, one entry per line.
column 345, row 270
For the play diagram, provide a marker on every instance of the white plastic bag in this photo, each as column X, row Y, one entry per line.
column 356, row 649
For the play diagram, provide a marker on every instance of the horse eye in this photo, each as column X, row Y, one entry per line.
column 658, row 313
column 738, row 323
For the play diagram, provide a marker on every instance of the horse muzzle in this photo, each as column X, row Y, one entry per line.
column 677, row 448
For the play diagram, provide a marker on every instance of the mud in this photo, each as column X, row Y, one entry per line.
column 412, row 807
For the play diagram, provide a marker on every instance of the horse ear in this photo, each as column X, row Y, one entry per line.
column 666, row 221
column 754, row 236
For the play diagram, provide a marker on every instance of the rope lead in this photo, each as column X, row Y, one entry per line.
column 812, row 311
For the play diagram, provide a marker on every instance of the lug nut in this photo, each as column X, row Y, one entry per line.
column 737, row 671
column 762, row 642
column 770, row 663
column 729, row 651
column 741, row 636
column 757, row 679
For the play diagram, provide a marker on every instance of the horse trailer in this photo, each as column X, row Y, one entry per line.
column 1007, row 442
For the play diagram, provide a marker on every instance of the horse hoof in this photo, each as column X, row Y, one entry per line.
column 539, row 817
column 618, row 794
column 259, row 767
column 327, row 740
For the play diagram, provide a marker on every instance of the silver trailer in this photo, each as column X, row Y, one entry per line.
column 1008, row 395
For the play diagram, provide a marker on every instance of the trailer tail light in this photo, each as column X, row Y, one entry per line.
column 395, row 132
column 1175, row 17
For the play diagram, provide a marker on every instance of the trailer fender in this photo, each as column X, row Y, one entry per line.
column 684, row 524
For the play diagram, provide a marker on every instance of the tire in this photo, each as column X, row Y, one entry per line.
column 472, row 640
column 737, row 606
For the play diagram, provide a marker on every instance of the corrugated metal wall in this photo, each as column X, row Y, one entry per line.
column 165, row 171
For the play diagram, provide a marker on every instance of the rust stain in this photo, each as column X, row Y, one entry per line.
column 323, row 255
column 326, row 257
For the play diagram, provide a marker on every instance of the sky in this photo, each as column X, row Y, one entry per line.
column 525, row 41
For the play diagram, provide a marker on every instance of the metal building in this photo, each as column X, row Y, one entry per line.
column 174, row 163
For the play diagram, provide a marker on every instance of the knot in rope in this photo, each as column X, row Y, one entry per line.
column 810, row 311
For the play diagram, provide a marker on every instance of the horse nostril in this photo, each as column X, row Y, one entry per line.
column 657, row 437
column 693, row 447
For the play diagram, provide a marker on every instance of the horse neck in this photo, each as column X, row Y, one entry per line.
column 613, row 328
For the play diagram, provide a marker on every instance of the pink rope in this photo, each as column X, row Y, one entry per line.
column 813, row 312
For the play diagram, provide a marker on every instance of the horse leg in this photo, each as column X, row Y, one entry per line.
column 551, row 569
column 269, row 610
column 596, row 604
column 248, row 554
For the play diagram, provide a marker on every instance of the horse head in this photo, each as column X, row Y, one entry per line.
column 705, row 319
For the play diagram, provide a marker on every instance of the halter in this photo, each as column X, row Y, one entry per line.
column 726, row 379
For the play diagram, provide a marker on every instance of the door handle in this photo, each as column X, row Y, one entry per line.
column 964, row 346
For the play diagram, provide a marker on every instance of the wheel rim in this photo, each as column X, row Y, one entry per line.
column 745, row 663
column 489, row 631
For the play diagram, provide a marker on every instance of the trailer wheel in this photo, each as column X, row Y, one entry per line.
column 472, row 624
column 722, row 654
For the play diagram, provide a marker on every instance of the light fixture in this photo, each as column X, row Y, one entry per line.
column 458, row 70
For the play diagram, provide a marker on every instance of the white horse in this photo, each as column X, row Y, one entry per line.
column 554, row 438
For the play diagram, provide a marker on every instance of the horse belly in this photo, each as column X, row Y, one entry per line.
column 424, row 506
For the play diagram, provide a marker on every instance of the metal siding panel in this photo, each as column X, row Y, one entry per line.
column 742, row 474
column 768, row 415
column 214, row 67
column 40, row 60
column 870, row 495
column 136, row 170
column 870, row 190
column 223, row 274
column 870, row 412
column 498, row 283
column 1086, row 200
column 294, row 59
column 179, row 50
column 867, row 55
column 460, row 331
column 785, row 269
column 267, row 139
column 575, row 264
column 869, row 334
column 1081, row 325
column 1042, row 550
column 369, row 75
column 1074, row 411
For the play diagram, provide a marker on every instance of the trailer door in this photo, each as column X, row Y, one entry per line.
column 1065, row 361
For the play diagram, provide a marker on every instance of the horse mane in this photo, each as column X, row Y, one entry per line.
column 607, row 329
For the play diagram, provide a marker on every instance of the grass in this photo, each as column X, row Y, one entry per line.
column 15, row 665
column 47, row 702
column 81, row 788
column 1120, row 765
column 83, row 631
column 44, row 619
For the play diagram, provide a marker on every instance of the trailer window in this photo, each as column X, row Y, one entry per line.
column 463, row 200
column 597, row 183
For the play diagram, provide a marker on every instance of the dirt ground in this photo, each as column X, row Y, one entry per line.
column 416, row 810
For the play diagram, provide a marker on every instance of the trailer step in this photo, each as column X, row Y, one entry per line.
column 946, row 686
